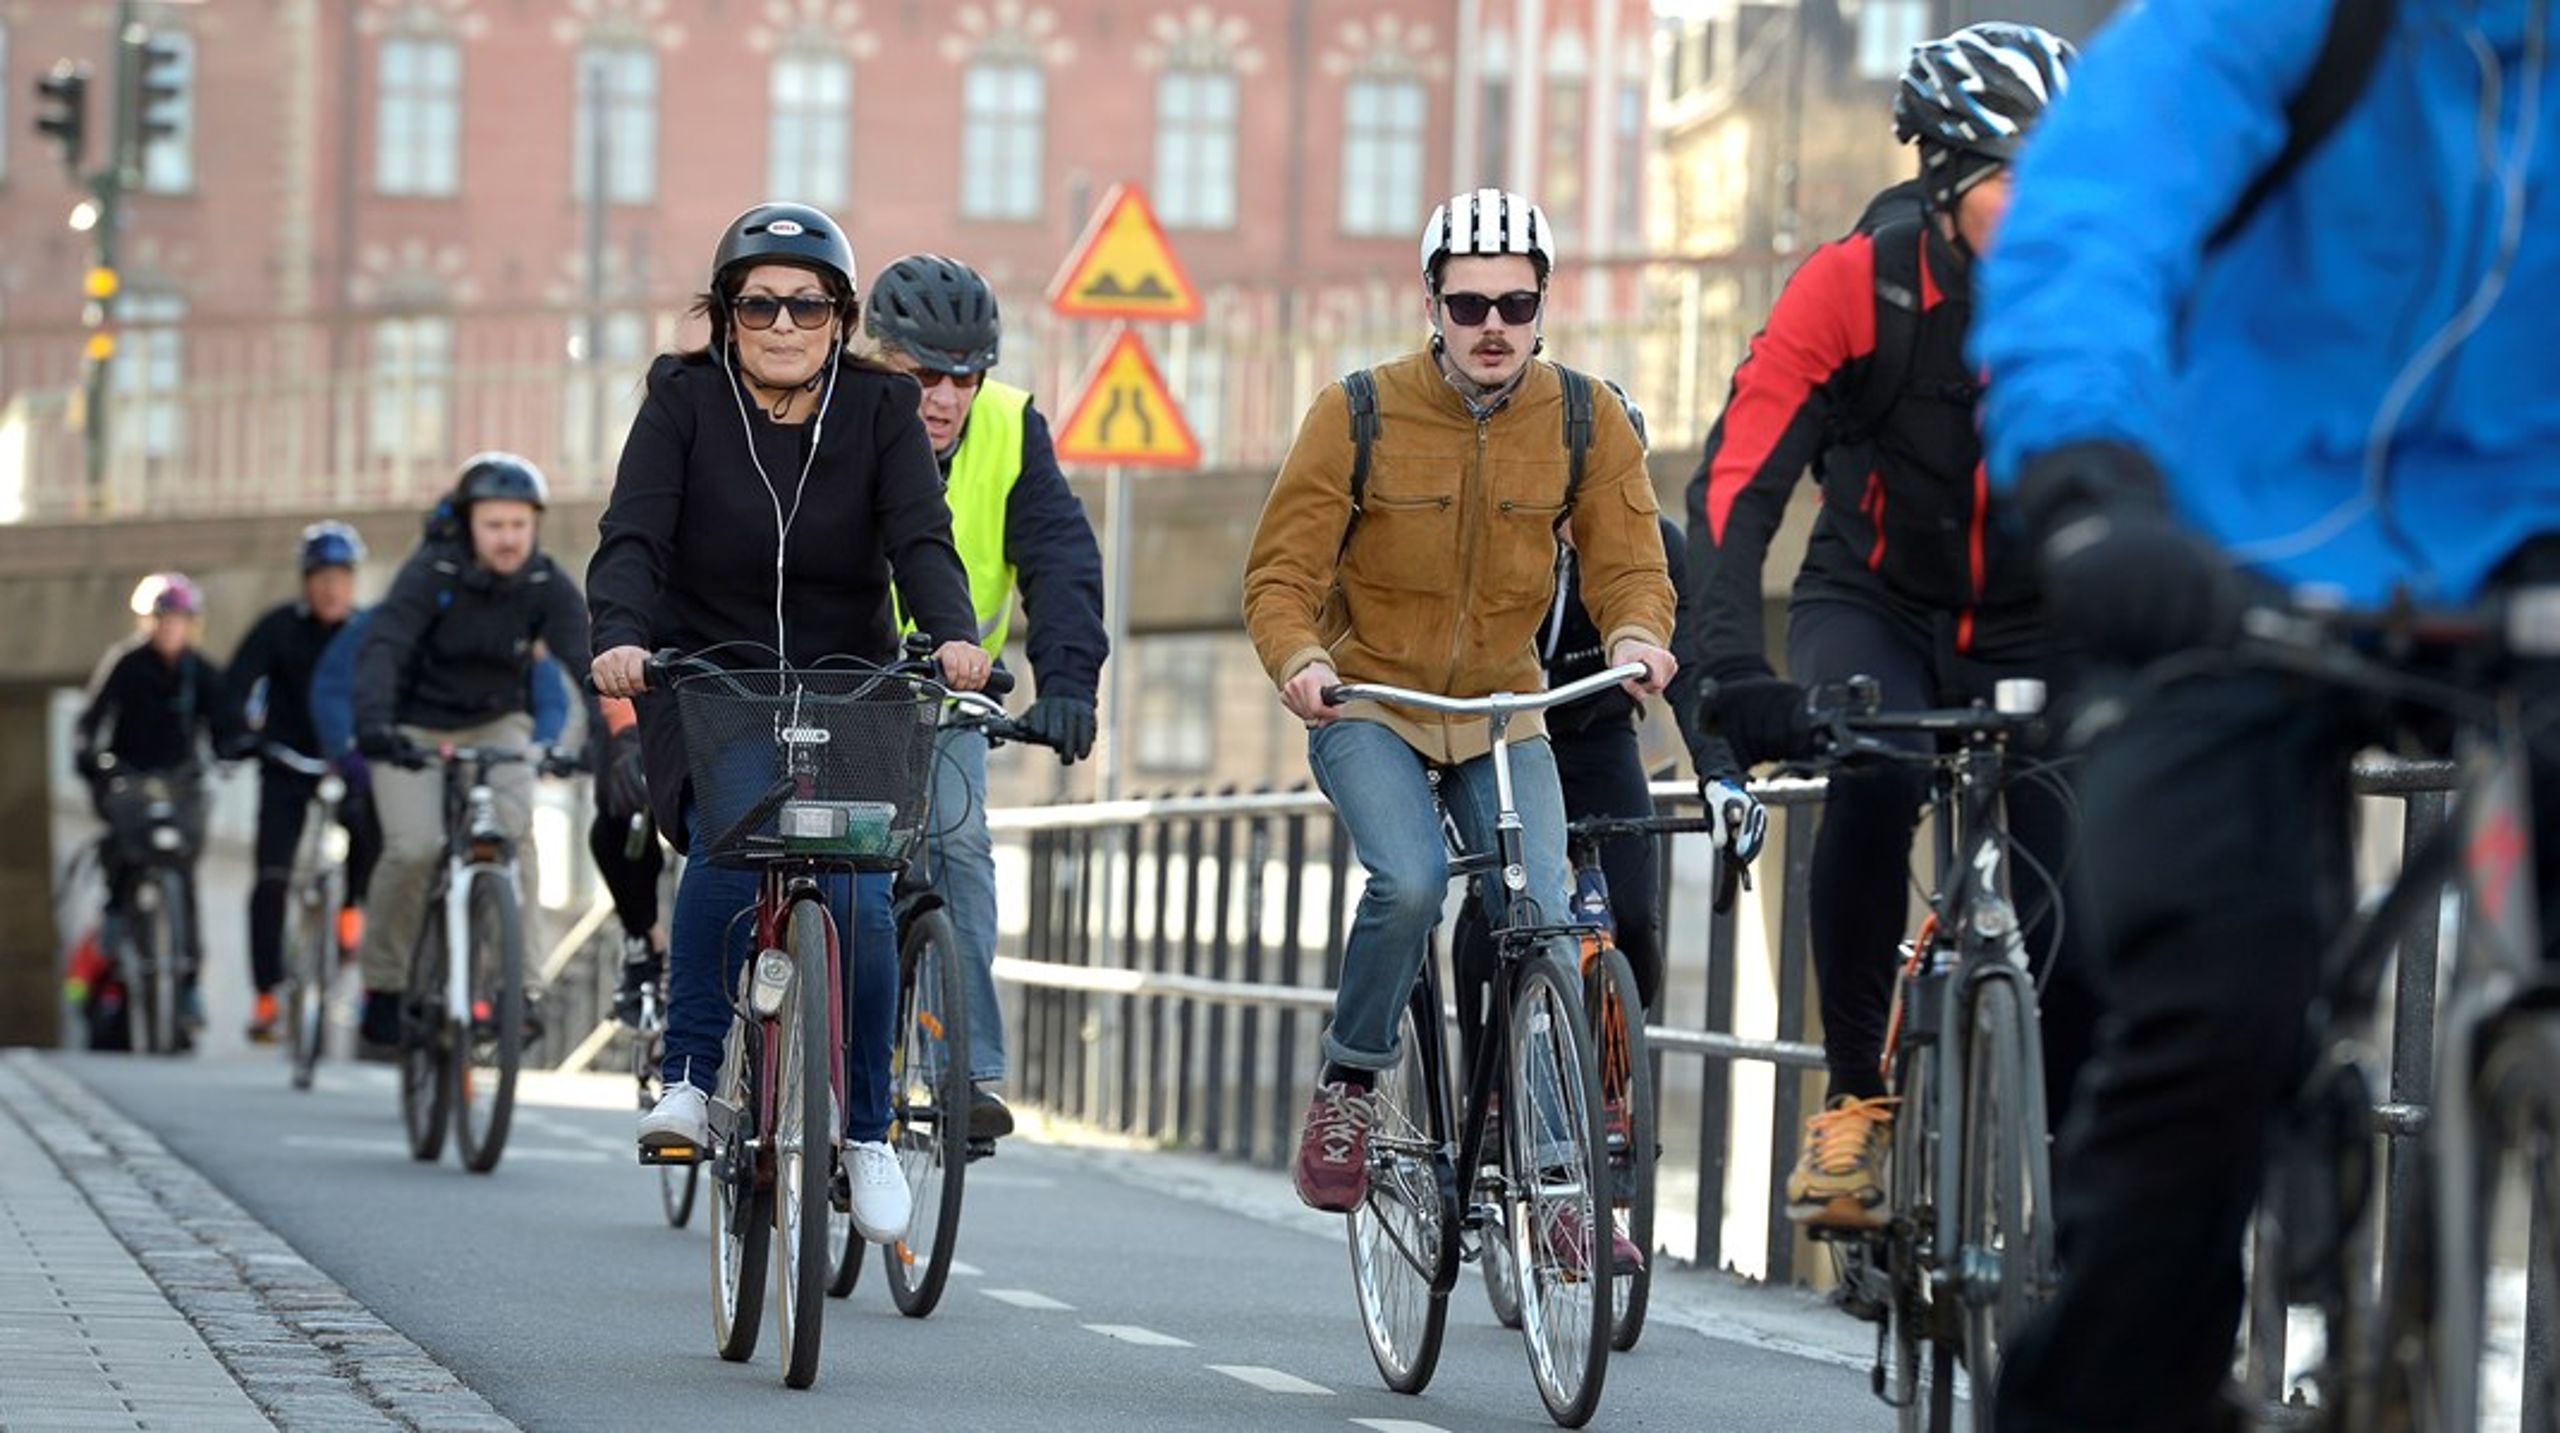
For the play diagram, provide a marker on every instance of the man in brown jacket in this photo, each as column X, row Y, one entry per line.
column 1440, row 587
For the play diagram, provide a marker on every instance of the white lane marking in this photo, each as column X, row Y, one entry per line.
column 1397, row 1425
column 963, row 1269
column 353, row 1145
column 1025, row 1299
column 1269, row 1380
column 1131, row 1333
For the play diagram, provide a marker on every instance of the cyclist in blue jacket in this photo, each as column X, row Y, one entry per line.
column 2351, row 390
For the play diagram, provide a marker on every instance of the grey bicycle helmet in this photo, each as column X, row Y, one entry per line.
column 1969, row 99
column 938, row 311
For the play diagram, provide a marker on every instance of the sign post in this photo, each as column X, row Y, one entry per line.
column 1124, row 415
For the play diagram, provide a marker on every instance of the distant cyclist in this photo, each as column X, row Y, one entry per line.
column 270, row 676
column 623, row 839
column 1016, row 522
column 154, row 704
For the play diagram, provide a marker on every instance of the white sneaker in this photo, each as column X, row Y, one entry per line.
column 682, row 1117
column 881, row 1204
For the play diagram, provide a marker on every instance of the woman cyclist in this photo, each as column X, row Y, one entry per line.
column 770, row 484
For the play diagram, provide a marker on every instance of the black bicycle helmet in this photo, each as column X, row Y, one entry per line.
column 1969, row 99
column 938, row 311
column 499, row 475
column 786, row 234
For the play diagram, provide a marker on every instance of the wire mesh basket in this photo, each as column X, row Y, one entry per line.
column 824, row 764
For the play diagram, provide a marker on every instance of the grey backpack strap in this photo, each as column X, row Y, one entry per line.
column 1577, row 436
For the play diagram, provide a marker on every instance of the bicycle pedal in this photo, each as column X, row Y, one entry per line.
column 673, row 1154
column 981, row 1149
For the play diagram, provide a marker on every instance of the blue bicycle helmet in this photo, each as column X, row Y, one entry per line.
column 330, row 544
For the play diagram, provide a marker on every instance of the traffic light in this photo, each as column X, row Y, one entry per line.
column 157, row 93
column 62, row 110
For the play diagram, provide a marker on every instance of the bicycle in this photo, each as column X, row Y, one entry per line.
column 155, row 826
column 1963, row 1250
column 678, row 1183
column 929, row 1083
column 464, row 1016
column 1543, row 1195
column 805, row 774
column 317, row 893
column 2462, row 1330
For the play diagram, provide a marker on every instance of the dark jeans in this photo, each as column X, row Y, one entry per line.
column 714, row 914
column 2216, row 869
column 284, row 804
column 631, row 880
column 1862, row 855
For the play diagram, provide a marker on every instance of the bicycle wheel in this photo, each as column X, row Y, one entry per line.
column 930, row 1123
column 314, row 959
column 804, row 1145
column 1626, row 1105
column 2004, row 1260
column 677, row 1183
column 423, row 1087
column 153, row 990
column 2497, row 1365
column 488, row 1052
column 741, row 1192
column 1556, row 1164
column 1501, row 1276
column 846, row 1249
column 1404, row 1234
column 1911, row 1377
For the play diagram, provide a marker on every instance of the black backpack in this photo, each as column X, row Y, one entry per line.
column 1360, row 392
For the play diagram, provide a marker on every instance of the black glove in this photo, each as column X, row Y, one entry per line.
column 237, row 748
column 2119, row 573
column 385, row 743
column 623, row 788
column 1066, row 723
column 1762, row 718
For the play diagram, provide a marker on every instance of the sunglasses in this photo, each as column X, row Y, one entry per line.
column 1518, row 307
column 759, row 311
column 935, row 378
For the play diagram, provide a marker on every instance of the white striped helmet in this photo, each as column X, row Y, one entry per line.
column 1982, row 88
column 1487, row 222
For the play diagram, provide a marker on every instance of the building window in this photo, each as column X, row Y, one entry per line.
column 812, row 120
column 169, row 163
column 417, row 140
column 1561, row 195
column 150, row 365
column 1196, row 149
column 1627, row 206
column 411, row 382
column 1002, row 103
column 604, row 389
column 1381, row 156
column 1887, row 32
column 621, row 83
column 1174, row 728
column 1493, row 113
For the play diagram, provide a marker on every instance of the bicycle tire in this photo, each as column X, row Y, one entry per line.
column 678, row 1184
column 1501, row 1276
column 931, row 1138
column 1404, row 1233
column 424, row 1090
column 805, row 1148
column 847, row 1252
column 741, row 1198
column 1556, row 1167
column 158, row 927
column 305, row 1007
column 484, row 1099
column 1626, row 1085
column 2005, row 1210
column 2494, row 1363
column 1904, row 1381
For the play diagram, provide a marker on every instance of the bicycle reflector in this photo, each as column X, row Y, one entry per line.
column 773, row 981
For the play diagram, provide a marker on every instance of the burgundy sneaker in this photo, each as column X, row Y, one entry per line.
column 1570, row 1248
column 1332, row 1168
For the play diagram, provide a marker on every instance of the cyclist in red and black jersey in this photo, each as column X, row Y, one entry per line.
column 1908, row 578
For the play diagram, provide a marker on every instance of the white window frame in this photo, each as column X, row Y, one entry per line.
column 417, row 134
column 632, row 75
column 1383, row 118
column 1196, row 117
column 409, row 382
column 1004, row 106
column 809, row 139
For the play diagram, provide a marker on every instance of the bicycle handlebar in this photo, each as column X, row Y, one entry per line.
column 667, row 664
column 1497, row 704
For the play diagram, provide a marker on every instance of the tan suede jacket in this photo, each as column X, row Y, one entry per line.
column 1453, row 564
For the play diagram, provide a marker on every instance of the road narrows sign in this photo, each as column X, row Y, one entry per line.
column 1123, row 267
column 1126, row 414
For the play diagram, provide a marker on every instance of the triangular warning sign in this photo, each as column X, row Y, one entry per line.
column 1122, row 267
column 1127, row 415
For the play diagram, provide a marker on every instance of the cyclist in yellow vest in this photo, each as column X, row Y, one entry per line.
column 1017, row 524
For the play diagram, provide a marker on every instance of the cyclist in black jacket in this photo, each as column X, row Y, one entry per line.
column 273, row 668
column 445, row 659
column 1908, row 577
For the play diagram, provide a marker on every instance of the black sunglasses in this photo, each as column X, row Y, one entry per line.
column 1468, row 310
column 758, row 311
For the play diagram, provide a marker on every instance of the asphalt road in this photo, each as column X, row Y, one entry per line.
column 1103, row 1289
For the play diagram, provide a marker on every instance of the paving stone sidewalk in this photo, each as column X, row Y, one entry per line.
column 135, row 1295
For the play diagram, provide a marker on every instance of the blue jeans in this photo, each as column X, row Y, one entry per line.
column 964, row 873
column 1381, row 790
column 714, row 907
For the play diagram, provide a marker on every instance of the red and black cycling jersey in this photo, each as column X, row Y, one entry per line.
column 1904, row 517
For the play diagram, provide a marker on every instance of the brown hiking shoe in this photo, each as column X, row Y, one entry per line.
column 1838, row 1181
column 1332, row 1168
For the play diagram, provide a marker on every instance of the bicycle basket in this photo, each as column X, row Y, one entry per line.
column 826, row 764
column 155, row 820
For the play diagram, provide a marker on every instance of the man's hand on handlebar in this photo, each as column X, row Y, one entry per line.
column 1303, row 694
column 965, row 665
column 1659, row 666
column 621, row 672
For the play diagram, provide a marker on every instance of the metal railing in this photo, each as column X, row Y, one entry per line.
column 1172, row 964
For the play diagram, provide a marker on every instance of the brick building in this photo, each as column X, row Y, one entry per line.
column 376, row 242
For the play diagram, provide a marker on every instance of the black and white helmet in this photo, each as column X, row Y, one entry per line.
column 1976, row 93
column 1487, row 222
column 938, row 311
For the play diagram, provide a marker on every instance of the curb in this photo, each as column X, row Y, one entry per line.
column 312, row 1358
